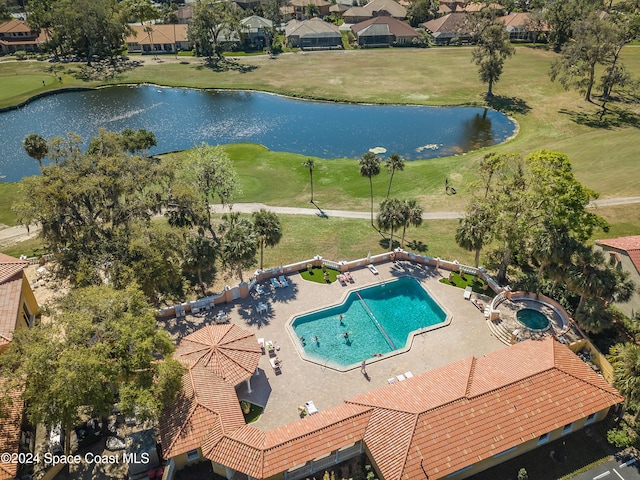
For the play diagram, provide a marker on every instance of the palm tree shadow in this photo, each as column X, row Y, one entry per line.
column 611, row 118
column 226, row 65
column 384, row 243
column 418, row 246
column 508, row 105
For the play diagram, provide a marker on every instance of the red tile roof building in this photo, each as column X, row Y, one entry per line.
column 18, row 309
column 449, row 422
column 624, row 253
column 16, row 35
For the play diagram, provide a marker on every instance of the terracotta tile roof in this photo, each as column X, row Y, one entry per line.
column 15, row 26
column 10, row 293
column 10, row 423
column 160, row 34
column 263, row 454
column 630, row 244
column 483, row 409
column 205, row 410
column 9, row 266
column 394, row 8
column 229, row 351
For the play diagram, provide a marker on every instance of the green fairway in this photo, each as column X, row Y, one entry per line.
column 603, row 156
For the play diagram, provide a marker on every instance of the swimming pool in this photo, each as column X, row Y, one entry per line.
column 532, row 319
column 377, row 320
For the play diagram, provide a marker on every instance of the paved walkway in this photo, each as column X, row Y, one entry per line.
column 302, row 380
column 12, row 235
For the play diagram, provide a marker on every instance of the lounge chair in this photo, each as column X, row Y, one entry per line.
column 408, row 374
column 261, row 344
column 348, row 276
column 467, row 293
column 275, row 364
column 283, row 281
column 262, row 308
column 392, row 380
column 274, row 283
column 259, row 289
column 343, row 280
column 401, row 377
column 373, row 269
column 270, row 348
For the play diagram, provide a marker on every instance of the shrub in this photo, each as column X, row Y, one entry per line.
column 20, row 55
column 621, row 437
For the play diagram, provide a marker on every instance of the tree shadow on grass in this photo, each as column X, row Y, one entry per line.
column 226, row 65
column 104, row 69
column 612, row 118
column 418, row 246
column 508, row 105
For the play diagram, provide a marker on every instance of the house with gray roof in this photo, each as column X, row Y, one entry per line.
column 256, row 31
column 311, row 34
column 384, row 31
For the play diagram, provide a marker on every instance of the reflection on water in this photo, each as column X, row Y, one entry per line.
column 182, row 118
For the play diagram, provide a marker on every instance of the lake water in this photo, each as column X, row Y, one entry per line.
column 182, row 118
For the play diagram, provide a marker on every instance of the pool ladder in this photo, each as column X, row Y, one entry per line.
column 375, row 320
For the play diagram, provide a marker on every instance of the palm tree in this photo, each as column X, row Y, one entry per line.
column 36, row 147
column 625, row 359
column 370, row 167
column 474, row 230
column 239, row 243
column 268, row 230
column 412, row 216
column 393, row 163
column 391, row 216
column 200, row 258
column 149, row 31
column 310, row 165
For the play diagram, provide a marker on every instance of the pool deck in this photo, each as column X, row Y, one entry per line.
column 301, row 380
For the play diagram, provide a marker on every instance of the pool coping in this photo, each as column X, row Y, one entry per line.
column 410, row 338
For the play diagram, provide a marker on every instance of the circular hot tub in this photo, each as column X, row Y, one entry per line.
column 532, row 319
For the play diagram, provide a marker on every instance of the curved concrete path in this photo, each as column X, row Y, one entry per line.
column 12, row 235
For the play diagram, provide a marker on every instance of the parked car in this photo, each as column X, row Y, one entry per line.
column 55, row 440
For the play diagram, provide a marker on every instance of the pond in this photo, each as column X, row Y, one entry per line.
column 182, row 118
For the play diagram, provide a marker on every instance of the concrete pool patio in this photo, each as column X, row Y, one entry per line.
column 301, row 380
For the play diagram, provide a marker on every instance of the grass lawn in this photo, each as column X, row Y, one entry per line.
column 548, row 117
column 317, row 275
column 254, row 413
column 463, row 282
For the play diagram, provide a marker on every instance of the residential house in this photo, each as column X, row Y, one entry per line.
column 16, row 35
column 375, row 8
column 18, row 309
column 154, row 39
column 453, row 421
column 522, row 27
column 311, row 34
column 300, row 8
column 624, row 253
column 184, row 14
column 256, row 31
column 384, row 31
column 452, row 28
column 18, row 305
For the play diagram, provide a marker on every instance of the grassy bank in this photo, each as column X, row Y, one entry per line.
column 549, row 117
column 603, row 156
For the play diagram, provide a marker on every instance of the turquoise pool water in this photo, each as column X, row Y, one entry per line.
column 532, row 319
column 377, row 319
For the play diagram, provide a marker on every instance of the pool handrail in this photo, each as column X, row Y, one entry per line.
column 375, row 320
